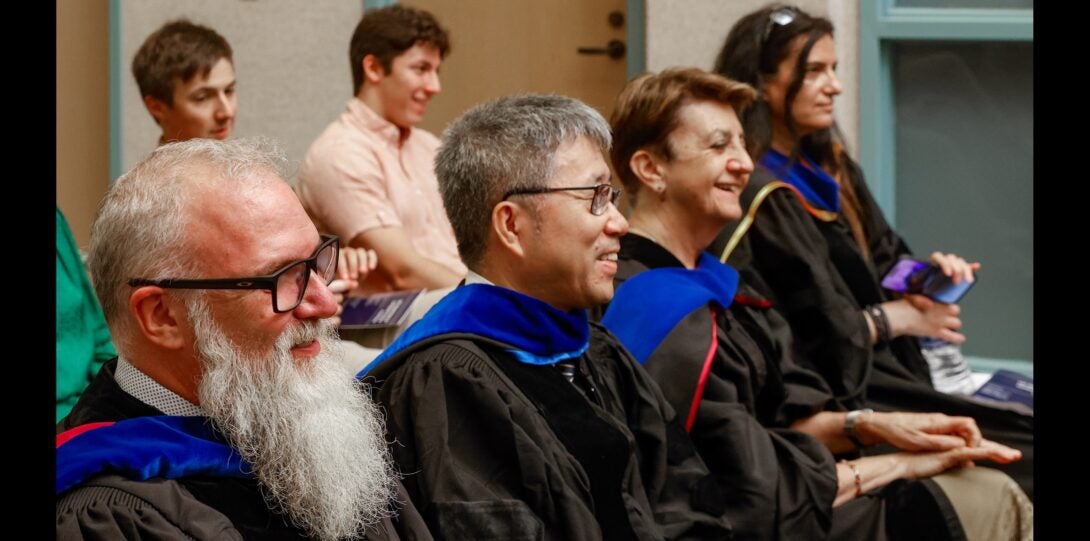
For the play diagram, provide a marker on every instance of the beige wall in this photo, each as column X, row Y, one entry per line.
column 83, row 140
column 292, row 81
column 279, row 60
column 291, row 62
column 690, row 32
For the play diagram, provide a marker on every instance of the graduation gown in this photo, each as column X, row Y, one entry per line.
column 211, row 505
column 726, row 367
column 498, row 444
column 818, row 279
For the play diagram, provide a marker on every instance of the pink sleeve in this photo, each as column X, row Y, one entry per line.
column 345, row 191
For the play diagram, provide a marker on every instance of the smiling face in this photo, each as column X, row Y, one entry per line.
column 812, row 108
column 571, row 254
column 402, row 94
column 255, row 233
column 203, row 107
column 709, row 166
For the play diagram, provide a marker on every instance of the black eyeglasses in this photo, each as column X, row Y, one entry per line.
column 604, row 194
column 288, row 284
column 779, row 17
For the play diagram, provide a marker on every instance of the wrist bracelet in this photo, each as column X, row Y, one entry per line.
column 858, row 478
column 881, row 323
column 849, row 426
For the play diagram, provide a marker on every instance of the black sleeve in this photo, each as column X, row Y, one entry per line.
column 111, row 508
column 407, row 525
column 685, row 496
column 776, row 480
column 885, row 245
column 789, row 254
column 789, row 392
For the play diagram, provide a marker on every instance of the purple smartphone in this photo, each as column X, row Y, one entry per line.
column 915, row 276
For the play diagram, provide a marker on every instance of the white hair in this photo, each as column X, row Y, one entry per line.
column 315, row 440
column 139, row 231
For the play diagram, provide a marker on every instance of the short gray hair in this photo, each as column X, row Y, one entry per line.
column 502, row 145
column 140, row 229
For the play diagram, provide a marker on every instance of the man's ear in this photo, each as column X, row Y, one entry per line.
column 373, row 72
column 158, row 317
column 157, row 107
column 509, row 222
column 648, row 169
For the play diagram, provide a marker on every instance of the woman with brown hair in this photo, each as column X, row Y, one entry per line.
column 768, row 429
column 822, row 250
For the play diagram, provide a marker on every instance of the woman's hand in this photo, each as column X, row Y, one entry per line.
column 880, row 470
column 916, row 315
column 919, row 465
column 918, row 431
column 954, row 266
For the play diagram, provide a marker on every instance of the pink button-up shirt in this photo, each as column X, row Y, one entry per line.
column 361, row 174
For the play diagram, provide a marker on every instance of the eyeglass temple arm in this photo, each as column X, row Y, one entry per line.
column 255, row 283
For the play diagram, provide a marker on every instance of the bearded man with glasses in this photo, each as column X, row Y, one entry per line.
column 521, row 419
column 226, row 414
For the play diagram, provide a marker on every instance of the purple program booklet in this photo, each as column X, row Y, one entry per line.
column 378, row 310
column 1008, row 386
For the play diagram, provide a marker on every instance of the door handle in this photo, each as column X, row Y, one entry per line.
column 615, row 49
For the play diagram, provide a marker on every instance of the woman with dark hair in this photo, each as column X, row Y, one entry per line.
column 821, row 248
column 767, row 428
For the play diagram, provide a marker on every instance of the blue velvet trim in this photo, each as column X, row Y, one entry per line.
column 648, row 306
column 537, row 332
column 820, row 189
column 170, row 447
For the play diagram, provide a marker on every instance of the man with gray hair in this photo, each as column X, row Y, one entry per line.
column 225, row 415
column 522, row 419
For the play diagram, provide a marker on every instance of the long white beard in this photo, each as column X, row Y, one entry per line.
column 313, row 437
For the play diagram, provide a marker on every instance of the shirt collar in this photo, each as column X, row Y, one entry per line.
column 369, row 120
column 145, row 389
column 474, row 278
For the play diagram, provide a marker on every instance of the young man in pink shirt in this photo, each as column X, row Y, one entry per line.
column 369, row 176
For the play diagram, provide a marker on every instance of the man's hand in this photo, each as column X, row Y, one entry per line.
column 401, row 267
column 353, row 266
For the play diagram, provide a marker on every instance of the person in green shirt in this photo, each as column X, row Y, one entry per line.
column 83, row 341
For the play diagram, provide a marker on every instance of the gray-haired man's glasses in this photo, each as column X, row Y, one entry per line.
column 604, row 194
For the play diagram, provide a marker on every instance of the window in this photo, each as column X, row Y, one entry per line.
column 946, row 141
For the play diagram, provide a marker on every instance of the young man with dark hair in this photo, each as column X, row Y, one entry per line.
column 369, row 178
column 187, row 81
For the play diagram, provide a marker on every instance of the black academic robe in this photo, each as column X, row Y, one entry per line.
column 109, row 506
column 494, row 448
column 781, row 483
column 818, row 279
